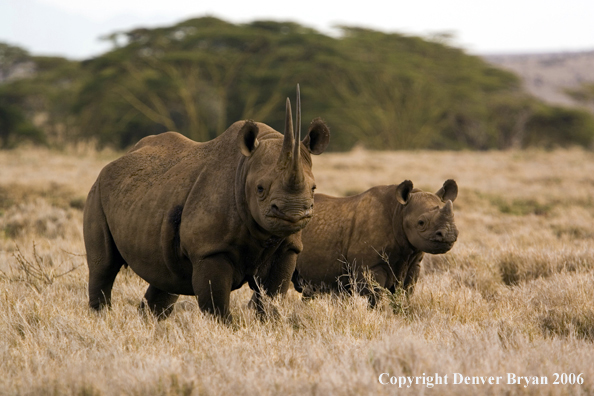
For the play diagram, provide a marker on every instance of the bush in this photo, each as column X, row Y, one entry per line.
column 552, row 126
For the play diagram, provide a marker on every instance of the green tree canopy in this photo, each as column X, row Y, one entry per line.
column 384, row 90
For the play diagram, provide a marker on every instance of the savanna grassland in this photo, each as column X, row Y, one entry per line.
column 514, row 295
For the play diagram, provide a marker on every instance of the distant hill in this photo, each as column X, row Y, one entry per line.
column 547, row 75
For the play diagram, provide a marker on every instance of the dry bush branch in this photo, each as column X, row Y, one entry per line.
column 35, row 272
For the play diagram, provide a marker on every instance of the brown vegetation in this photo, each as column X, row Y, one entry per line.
column 513, row 296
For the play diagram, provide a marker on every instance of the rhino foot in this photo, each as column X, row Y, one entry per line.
column 265, row 309
column 158, row 302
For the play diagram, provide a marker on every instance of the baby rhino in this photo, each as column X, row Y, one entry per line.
column 384, row 230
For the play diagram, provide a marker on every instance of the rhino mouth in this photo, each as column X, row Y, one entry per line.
column 440, row 247
column 285, row 226
column 277, row 214
column 293, row 221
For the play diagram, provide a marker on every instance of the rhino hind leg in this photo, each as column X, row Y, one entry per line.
column 159, row 302
column 103, row 268
column 103, row 258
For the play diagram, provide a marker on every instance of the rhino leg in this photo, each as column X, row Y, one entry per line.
column 159, row 302
column 412, row 276
column 373, row 295
column 297, row 281
column 276, row 281
column 373, row 284
column 103, row 258
column 279, row 275
column 212, row 280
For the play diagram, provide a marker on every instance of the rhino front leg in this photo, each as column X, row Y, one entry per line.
column 373, row 284
column 413, row 274
column 159, row 302
column 276, row 281
column 212, row 280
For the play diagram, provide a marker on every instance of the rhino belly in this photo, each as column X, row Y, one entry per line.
column 319, row 270
column 152, row 252
column 144, row 224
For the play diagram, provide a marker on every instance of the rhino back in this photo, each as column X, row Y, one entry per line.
column 326, row 239
column 351, row 230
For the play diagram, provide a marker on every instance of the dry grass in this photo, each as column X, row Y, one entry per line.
column 515, row 295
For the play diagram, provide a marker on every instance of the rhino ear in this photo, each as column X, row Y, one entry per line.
column 318, row 137
column 247, row 138
column 449, row 191
column 403, row 191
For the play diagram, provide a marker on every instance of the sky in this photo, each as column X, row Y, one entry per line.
column 73, row 28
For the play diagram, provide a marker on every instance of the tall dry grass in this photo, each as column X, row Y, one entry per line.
column 515, row 294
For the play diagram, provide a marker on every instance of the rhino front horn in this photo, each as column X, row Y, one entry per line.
column 297, row 170
column 294, row 177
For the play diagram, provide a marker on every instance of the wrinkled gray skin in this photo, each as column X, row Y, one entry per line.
column 203, row 218
column 393, row 223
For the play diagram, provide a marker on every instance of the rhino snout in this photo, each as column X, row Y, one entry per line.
column 445, row 235
column 292, row 214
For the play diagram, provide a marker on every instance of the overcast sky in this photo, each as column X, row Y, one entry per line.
column 73, row 28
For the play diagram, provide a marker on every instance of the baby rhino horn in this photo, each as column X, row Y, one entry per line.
column 447, row 210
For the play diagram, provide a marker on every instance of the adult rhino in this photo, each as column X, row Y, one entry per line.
column 203, row 218
column 384, row 230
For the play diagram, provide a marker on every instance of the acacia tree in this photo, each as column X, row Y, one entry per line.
column 35, row 97
column 385, row 90
column 583, row 94
column 196, row 77
column 12, row 59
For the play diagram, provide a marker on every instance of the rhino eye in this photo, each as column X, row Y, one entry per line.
column 421, row 223
column 260, row 189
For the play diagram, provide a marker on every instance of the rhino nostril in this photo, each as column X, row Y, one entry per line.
column 439, row 235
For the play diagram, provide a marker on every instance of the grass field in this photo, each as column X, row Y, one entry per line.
column 515, row 295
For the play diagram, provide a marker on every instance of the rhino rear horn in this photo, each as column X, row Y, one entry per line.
column 403, row 191
column 449, row 191
column 288, row 139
